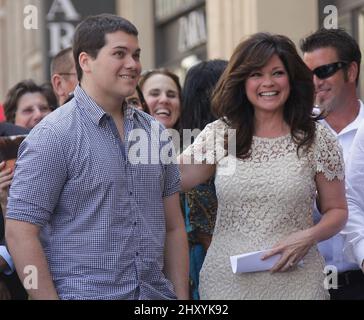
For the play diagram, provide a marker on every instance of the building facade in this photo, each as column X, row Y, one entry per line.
column 173, row 33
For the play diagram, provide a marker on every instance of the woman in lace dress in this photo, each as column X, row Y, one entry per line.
column 267, row 182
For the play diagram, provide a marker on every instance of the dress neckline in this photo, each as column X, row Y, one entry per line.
column 272, row 139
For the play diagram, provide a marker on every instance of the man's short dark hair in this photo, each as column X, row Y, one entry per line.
column 62, row 62
column 90, row 35
column 345, row 45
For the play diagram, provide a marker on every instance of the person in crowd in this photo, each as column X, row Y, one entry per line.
column 200, row 204
column 63, row 75
column 334, row 58
column 162, row 92
column 10, row 285
column 27, row 103
column 25, row 106
column 87, row 230
column 6, row 172
column 137, row 100
column 354, row 229
column 282, row 157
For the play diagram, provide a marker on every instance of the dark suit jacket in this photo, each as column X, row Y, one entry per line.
column 9, row 129
column 12, row 281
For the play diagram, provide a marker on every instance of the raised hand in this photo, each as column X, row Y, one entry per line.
column 6, row 177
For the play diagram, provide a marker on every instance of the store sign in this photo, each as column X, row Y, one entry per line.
column 62, row 17
column 181, row 37
column 166, row 9
column 61, row 32
column 192, row 31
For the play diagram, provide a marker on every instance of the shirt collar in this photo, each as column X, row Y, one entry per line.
column 97, row 113
column 358, row 120
column 353, row 126
column 129, row 112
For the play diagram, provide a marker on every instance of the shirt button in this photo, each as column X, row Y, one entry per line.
column 130, row 193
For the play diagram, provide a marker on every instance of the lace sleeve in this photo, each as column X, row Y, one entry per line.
column 328, row 154
column 208, row 147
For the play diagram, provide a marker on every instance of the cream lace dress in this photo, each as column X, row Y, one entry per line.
column 268, row 196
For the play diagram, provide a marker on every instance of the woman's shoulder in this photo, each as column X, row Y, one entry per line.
column 324, row 134
column 320, row 127
column 328, row 153
column 219, row 124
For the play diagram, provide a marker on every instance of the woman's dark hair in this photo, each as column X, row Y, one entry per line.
column 90, row 35
column 148, row 74
column 230, row 101
column 21, row 88
column 142, row 99
column 199, row 84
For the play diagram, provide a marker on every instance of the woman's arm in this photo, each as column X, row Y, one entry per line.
column 193, row 174
column 335, row 213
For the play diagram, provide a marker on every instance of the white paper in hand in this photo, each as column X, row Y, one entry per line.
column 252, row 262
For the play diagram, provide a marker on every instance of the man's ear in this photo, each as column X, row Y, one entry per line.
column 352, row 71
column 84, row 60
column 56, row 81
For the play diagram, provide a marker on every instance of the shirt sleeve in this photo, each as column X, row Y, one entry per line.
column 172, row 180
column 40, row 174
column 208, row 147
column 354, row 230
column 171, row 174
column 5, row 254
column 328, row 155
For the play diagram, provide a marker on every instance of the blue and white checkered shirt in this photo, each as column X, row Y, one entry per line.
column 103, row 216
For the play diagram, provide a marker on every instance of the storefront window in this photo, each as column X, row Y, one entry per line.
column 181, row 33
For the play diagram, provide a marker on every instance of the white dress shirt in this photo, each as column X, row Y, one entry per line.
column 354, row 229
column 332, row 249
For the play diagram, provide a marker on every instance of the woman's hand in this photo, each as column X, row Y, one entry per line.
column 204, row 239
column 292, row 249
column 6, row 177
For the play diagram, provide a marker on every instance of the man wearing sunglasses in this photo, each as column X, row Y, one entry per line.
column 334, row 58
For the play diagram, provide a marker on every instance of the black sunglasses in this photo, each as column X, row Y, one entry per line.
column 327, row 70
